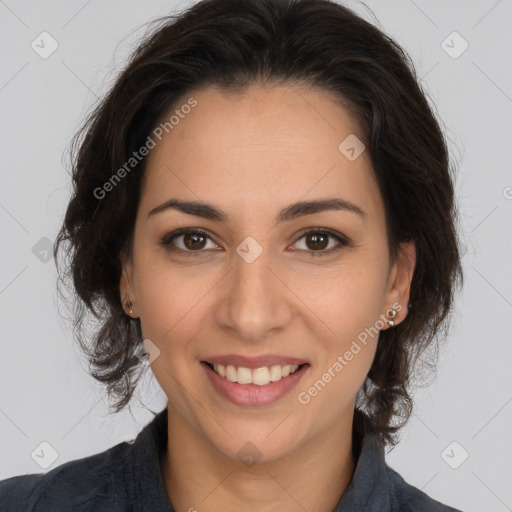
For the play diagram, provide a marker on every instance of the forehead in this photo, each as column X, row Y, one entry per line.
column 264, row 146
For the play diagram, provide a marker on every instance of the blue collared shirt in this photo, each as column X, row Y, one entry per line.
column 128, row 477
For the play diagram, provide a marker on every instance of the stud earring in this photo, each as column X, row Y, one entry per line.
column 392, row 315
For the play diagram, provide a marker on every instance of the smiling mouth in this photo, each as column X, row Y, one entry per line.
column 259, row 376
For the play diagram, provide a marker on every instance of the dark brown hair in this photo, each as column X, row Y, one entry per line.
column 232, row 44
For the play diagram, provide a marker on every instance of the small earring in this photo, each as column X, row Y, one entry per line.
column 129, row 305
column 392, row 315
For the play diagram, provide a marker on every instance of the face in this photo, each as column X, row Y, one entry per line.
column 254, row 282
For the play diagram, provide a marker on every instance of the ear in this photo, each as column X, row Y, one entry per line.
column 126, row 287
column 400, row 278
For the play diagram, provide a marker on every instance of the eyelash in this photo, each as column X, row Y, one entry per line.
column 166, row 241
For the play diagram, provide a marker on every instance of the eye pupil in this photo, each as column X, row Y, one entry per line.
column 316, row 244
column 195, row 236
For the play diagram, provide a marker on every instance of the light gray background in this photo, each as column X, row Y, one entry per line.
column 45, row 392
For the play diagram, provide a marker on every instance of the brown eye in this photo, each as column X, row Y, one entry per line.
column 194, row 241
column 317, row 241
column 187, row 241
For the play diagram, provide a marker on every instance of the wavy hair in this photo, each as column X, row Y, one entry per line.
column 233, row 44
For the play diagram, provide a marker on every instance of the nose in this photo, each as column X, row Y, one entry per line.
column 256, row 300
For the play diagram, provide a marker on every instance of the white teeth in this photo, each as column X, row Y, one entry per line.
column 244, row 376
column 259, row 376
column 275, row 373
column 230, row 373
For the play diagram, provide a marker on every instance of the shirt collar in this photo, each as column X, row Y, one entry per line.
column 369, row 489
column 144, row 480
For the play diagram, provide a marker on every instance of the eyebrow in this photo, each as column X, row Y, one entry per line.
column 289, row 213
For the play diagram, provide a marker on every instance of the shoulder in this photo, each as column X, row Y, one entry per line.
column 71, row 486
column 377, row 487
column 411, row 499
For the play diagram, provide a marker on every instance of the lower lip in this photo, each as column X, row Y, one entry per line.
column 252, row 394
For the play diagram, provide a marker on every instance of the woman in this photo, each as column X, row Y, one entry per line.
column 263, row 206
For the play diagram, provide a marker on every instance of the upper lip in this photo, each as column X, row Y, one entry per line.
column 254, row 362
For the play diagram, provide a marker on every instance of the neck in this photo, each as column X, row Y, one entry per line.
column 313, row 477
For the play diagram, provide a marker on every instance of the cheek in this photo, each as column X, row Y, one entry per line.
column 350, row 308
column 346, row 299
column 347, row 304
column 332, row 389
column 170, row 307
column 171, row 314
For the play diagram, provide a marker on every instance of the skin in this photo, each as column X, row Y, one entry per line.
column 253, row 155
